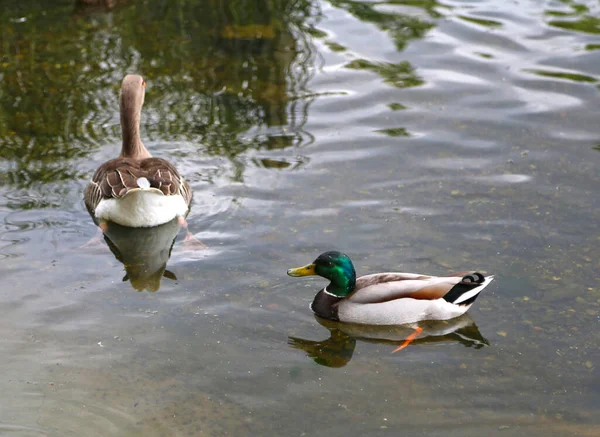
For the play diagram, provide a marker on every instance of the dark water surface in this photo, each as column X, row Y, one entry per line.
column 414, row 135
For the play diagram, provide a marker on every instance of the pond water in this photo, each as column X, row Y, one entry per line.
column 417, row 135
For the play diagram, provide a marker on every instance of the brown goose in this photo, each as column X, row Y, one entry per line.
column 135, row 189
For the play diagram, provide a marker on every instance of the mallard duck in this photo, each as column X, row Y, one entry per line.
column 135, row 189
column 389, row 298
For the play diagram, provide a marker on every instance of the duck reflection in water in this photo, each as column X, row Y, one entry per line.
column 144, row 252
column 337, row 350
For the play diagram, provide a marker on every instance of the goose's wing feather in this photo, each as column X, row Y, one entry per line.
column 117, row 177
column 385, row 287
column 92, row 196
column 186, row 191
column 164, row 176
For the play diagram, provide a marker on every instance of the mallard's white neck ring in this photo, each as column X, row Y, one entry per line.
column 328, row 293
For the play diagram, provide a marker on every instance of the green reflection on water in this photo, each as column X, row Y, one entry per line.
column 397, row 106
column 586, row 24
column 401, row 27
column 400, row 75
column 226, row 76
column 335, row 47
column 561, row 75
column 576, row 9
column 480, row 21
column 394, row 132
column 216, row 69
column 583, row 22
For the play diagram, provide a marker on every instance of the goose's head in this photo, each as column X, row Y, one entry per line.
column 133, row 90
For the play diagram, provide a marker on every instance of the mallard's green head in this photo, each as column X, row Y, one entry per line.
column 334, row 266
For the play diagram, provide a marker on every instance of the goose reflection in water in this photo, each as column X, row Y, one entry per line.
column 337, row 350
column 144, row 252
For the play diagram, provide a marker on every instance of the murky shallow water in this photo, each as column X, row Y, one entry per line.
column 419, row 136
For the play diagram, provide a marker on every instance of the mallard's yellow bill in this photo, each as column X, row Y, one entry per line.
column 303, row 271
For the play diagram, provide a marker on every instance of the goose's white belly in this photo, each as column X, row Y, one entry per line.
column 142, row 209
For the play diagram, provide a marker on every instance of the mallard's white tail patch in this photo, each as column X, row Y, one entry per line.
column 471, row 294
column 143, row 183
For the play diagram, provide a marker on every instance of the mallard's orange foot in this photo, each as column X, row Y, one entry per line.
column 409, row 339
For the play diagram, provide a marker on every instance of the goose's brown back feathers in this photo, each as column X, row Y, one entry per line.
column 117, row 177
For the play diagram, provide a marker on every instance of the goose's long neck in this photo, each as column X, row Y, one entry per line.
column 130, row 127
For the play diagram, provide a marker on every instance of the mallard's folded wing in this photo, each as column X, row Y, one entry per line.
column 385, row 287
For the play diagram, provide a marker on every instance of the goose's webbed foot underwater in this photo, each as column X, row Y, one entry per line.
column 190, row 242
